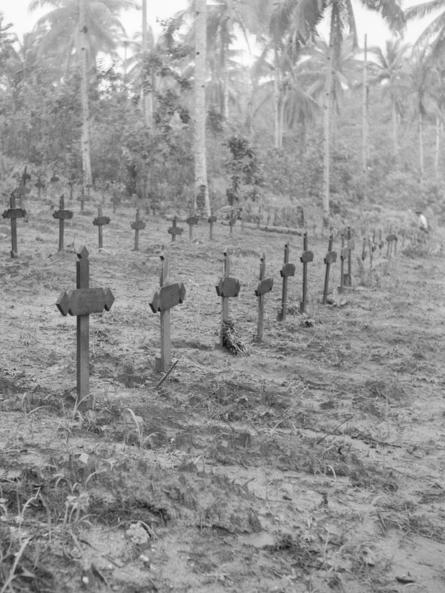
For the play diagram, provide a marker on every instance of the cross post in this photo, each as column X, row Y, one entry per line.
column 61, row 214
column 350, row 247
column 343, row 256
column 100, row 221
column 169, row 295
column 306, row 258
column 286, row 271
column 391, row 241
column 192, row 221
column 174, row 229
column 13, row 213
column 331, row 258
column 264, row 286
column 211, row 220
column 137, row 225
column 82, row 302
column 227, row 288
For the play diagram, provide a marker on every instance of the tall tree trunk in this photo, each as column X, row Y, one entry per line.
column 437, row 146
column 146, row 90
column 327, row 116
column 365, row 121
column 395, row 138
column 201, row 187
column 87, row 177
column 276, row 95
column 421, row 152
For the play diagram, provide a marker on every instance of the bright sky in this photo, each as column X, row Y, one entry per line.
column 16, row 12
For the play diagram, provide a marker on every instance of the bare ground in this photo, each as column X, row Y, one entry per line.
column 312, row 464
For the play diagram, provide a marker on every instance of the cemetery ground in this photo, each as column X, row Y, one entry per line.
column 313, row 463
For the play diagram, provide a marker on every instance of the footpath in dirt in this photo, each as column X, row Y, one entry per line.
column 312, row 463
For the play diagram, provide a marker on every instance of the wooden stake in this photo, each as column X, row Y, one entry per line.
column 82, row 302
column 61, row 214
column 343, row 256
column 286, row 271
column 211, row 220
column 137, row 225
column 331, row 257
column 100, row 221
column 306, row 258
column 13, row 213
column 225, row 317
column 349, row 238
column 264, row 286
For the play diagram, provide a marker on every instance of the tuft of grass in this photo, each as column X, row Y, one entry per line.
column 232, row 341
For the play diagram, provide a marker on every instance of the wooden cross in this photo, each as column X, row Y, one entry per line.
column 100, row 221
column 331, row 258
column 13, row 213
column 165, row 299
column 71, row 184
column 344, row 252
column 264, row 286
column 175, row 230
column 381, row 242
column 226, row 288
column 391, row 241
column 192, row 221
column 306, row 258
column 61, row 214
column 211, row 220
column 286, row 271
column 137, row 225
column 372, row 246
column 351, row 246
column 82, row 302
column 39, row 185
column 364, row 248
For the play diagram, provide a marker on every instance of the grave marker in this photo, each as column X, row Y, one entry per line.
column 192, row 221
column 351, row 246
column 13, row 213
column 306, row 258
column 137, row 225
column 264, row 286
column 211, row 220
column 344, row 252
column 226, row 288
column 364, row 248
column 101, row 221
column 391, row 241
column 39, row 185
column 286, row 271
column 331, row 258
column 232, row 220
column 82, row 302
column 169, row 295
column 61, row 215
column 175, row 230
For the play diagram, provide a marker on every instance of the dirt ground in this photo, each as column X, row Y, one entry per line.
column 313, row 463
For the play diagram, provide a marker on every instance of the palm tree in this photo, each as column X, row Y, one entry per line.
column 433, row 35
column 82, row 29
column 201, row 187
column 388, row 70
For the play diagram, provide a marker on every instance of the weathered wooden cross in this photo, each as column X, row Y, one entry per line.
column 101, row 221
column 351, row 246
column 306, row 258
column 169, row 295
column 211, row 220
column 192, row 221
column 391, row 241
column 286, row 271
column 81, row 302
column 364, row 248
column 264, row 286
column 39, row 185
column 331, row 258
column 137, row 225
column 175, row 230
column 344, row 252
column 226, row 288
column 13, row 213
column 61, row 214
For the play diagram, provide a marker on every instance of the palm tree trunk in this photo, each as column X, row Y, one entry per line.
column 87, row 177
column 327, row 117
column 200, row 155
column 365, row 121
column 421, row 152
column 395, row 139
column 146, row 91
column 437, row 146
column 277, row 133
